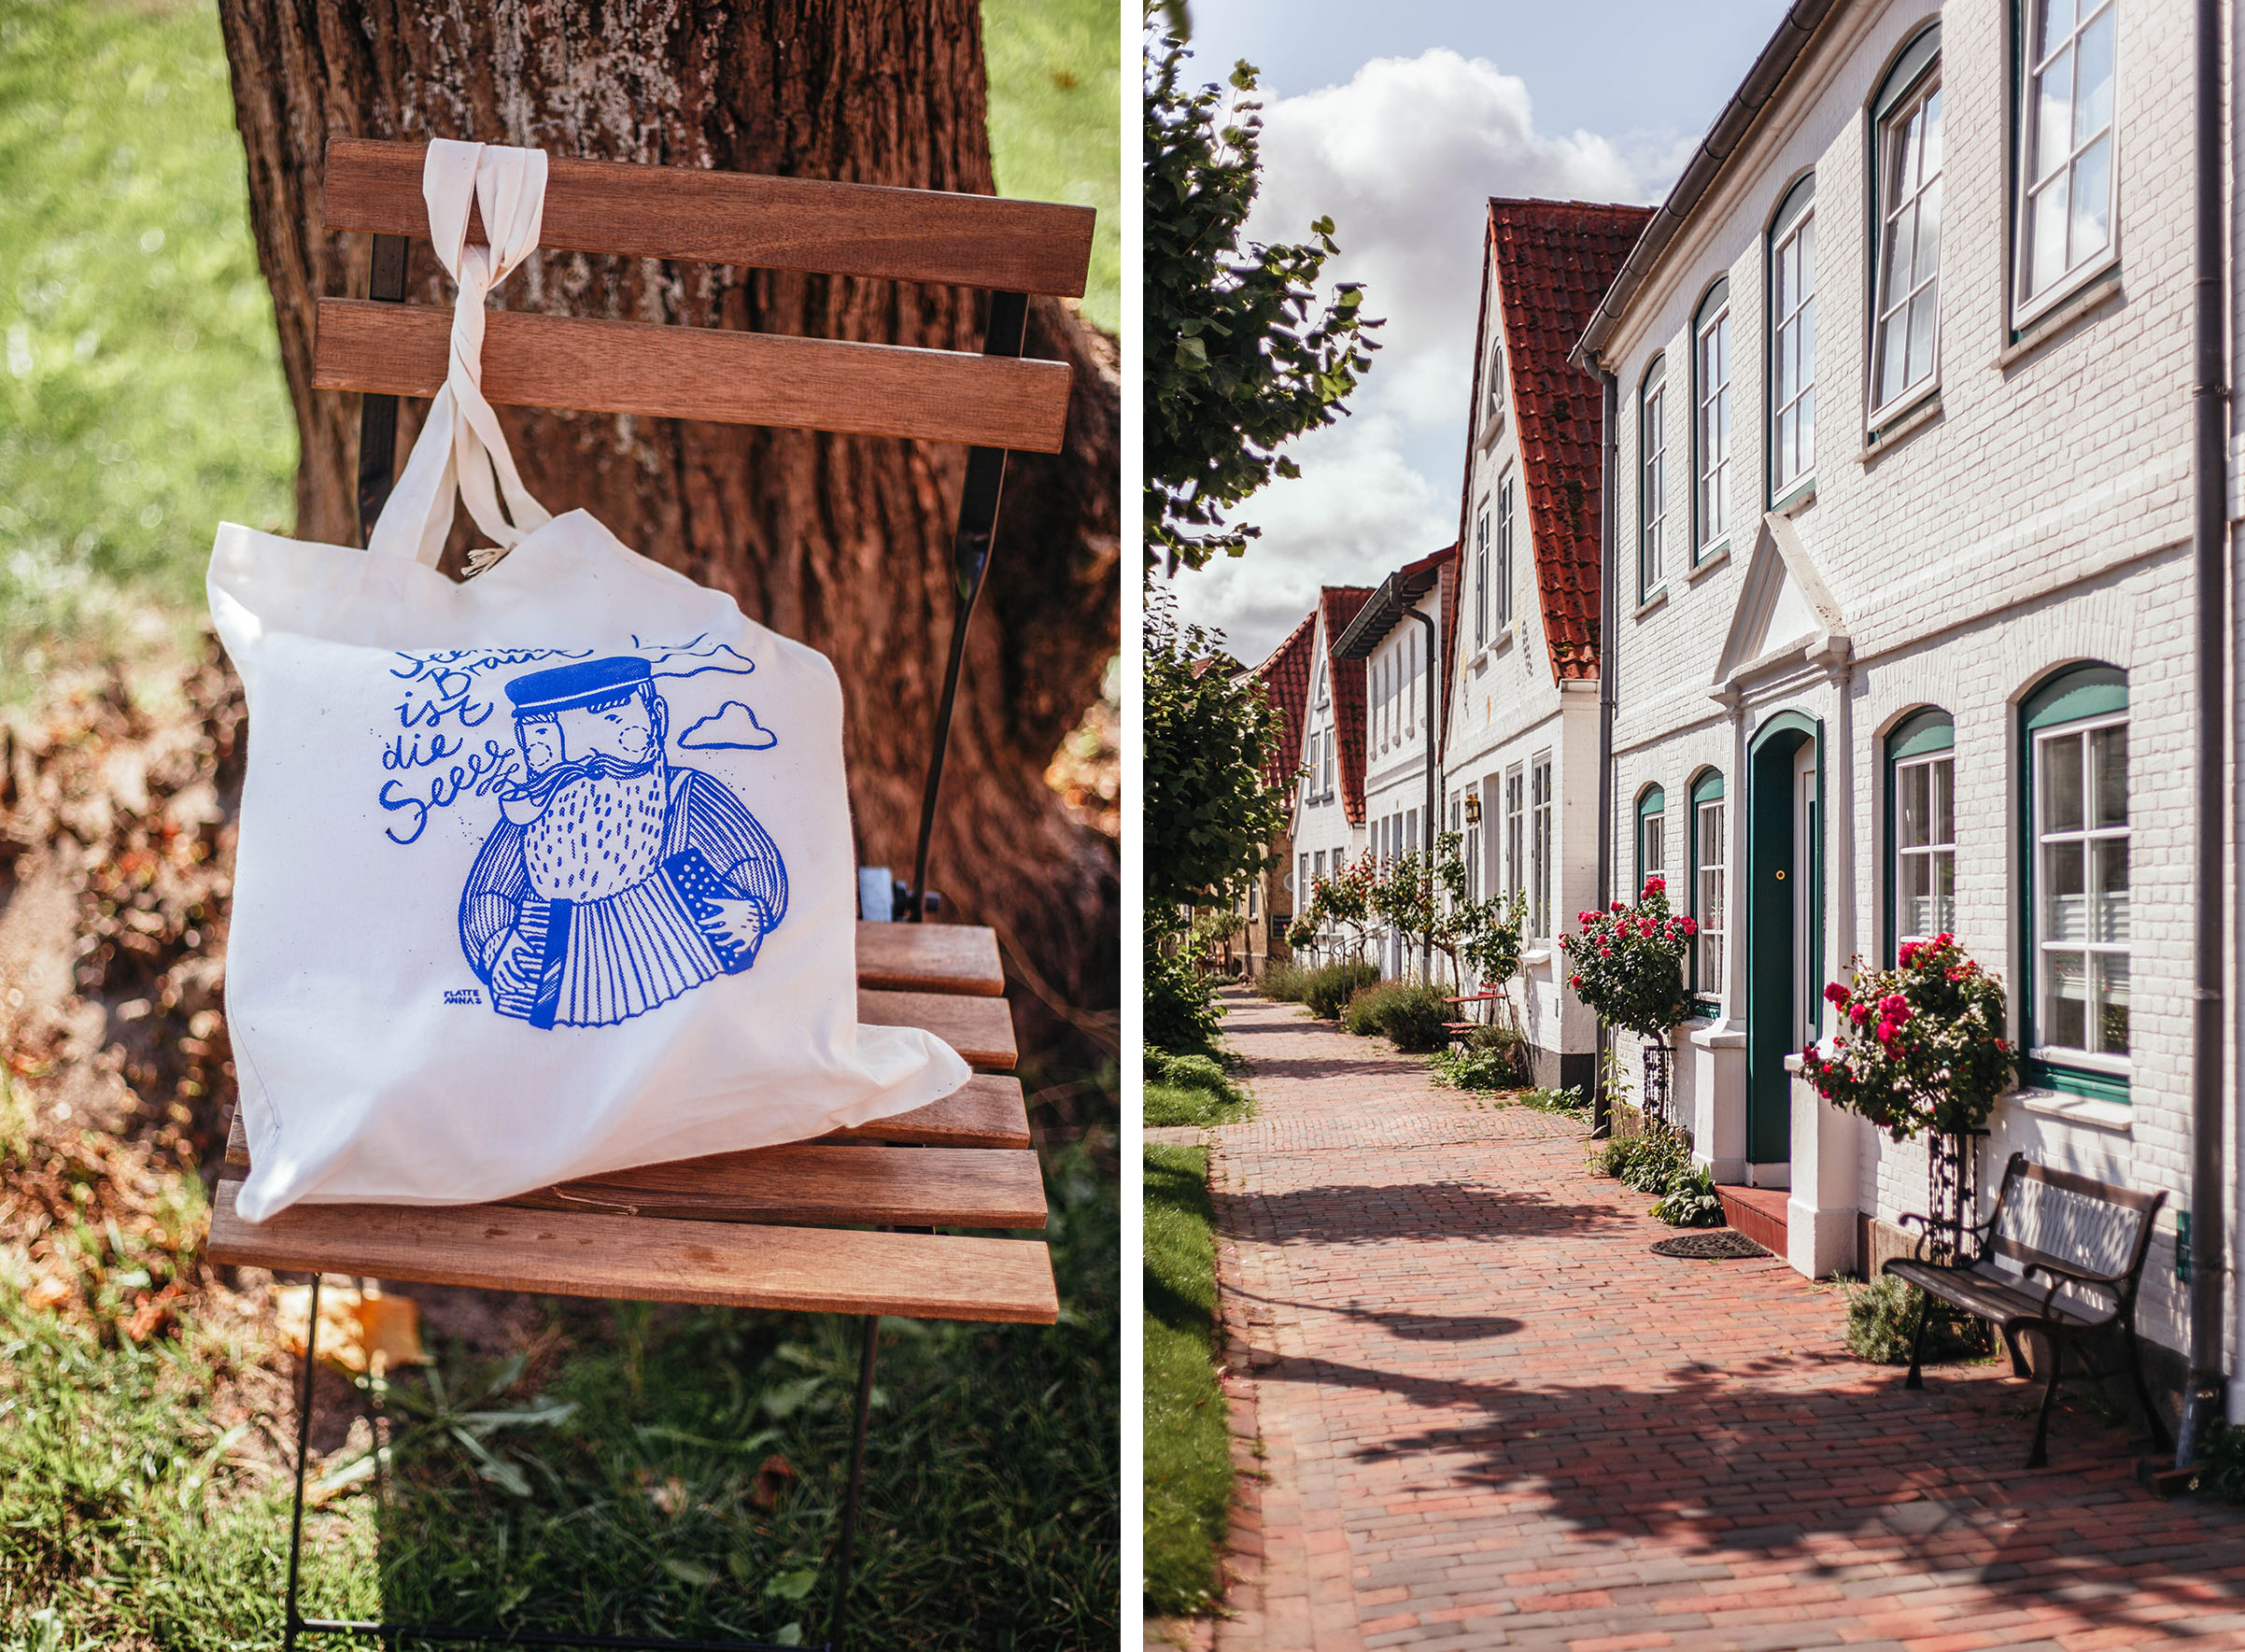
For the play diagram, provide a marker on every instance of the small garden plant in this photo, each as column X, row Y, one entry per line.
column 1881, row 1317
column 1920, row 1047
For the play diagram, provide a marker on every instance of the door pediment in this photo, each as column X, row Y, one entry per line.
column 1785, row 613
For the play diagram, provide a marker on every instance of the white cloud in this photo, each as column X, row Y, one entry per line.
column 1402, row 158
column 732, row 727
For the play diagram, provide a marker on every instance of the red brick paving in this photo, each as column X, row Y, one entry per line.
column 1489, row 1416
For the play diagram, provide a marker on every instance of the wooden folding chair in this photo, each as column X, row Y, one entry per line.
column 846, row 1223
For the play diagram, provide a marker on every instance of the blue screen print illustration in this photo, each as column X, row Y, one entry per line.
column 613, row 880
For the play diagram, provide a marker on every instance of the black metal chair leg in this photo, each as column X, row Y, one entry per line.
column 303, row 1450
column 1917, row 1341
column 2040, row 1456
column 971, row 545
column 2160, row 1441
column 846, row 1551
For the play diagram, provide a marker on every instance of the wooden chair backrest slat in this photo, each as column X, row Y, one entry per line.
column 648, row 1259
column 731, row 217
column 930, row 958
column 759, row 378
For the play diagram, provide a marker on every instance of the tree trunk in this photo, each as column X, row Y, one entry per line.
column 841, row 541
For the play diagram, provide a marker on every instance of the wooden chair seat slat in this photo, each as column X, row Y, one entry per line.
column 979, row 1030
column 987, row 1111
column 645, row 1258
column 706, row 372
column 731, row 217
column 845, row 1184
column 930, row 958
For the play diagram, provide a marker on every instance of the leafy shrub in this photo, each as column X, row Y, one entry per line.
column 1327, row 990
column 1414, row 1018
column 1283, row 982
column 1180, row 1004
column 1612, row 1156
column 1691, row 1201
column 1483, row 1062
column 2224, row 1462
column 1194, row 1070
column 1547, row 1100
column 1409, row 1012
column 1882, row 1315
column 1652, row 1162
column 1628, row 963
column 1919, row 1047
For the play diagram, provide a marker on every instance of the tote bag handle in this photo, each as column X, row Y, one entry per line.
column 462, row 446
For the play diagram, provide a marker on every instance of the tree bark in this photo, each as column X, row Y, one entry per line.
column 841, row 541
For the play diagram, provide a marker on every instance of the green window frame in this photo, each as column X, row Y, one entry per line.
column 2090, row 699
column 1926, row 818
column 1652, row 835
column 1708, row 834
column 1653, row 534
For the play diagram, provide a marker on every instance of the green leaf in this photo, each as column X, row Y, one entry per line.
column 692, row 1573
column 793, row 1585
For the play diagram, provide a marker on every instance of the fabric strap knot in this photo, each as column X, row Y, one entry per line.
column 462, row 446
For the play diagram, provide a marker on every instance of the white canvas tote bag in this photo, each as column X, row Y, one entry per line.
column 541, row 874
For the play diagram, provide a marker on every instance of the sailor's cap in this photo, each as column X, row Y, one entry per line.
column 579, row 684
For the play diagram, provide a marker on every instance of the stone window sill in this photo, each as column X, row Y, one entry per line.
column 2092, row 292
column 1651, row 603
column 1709, row 563
column 2077, row 1109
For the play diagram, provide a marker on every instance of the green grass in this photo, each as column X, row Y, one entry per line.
column 1055, row 107
column 613, row 1491
column 1187, row 1447
column 141, row 395
column 141, row 398
column 1193, row 1089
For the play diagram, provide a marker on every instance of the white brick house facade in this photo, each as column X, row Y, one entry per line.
column 1327, row 825
column 1960, row 536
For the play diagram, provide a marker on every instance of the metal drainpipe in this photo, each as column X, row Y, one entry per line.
column 1608, row 582
column 2209, row 456
column 1426, row 956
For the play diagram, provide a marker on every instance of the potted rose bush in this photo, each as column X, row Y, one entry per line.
column 1919, row 1050
column 1628, row 963
column 1628, row 966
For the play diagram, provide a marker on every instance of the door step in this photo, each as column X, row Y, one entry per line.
column 1758, row 1212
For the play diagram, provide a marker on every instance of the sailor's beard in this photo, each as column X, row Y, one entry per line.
column 598, row 837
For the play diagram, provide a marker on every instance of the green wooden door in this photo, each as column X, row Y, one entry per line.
column 1785, row 919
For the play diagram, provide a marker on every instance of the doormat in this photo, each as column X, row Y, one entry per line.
column 1715, row 1243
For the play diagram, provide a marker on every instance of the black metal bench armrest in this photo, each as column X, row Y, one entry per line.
column 2061, row 1276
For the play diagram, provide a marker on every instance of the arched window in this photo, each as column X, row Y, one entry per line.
column 1921, row 828
column 2075, row 999
column 1793, row 339
column 1652, row 821
column 2066, row 172
column 1652, row 479
column 1708, row 844
column 1711, row 419
column 1493, row 380
column 1907, row 124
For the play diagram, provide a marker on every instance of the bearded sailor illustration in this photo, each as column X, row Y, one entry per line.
column 614, row 881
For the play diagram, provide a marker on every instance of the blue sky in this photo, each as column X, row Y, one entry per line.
column 1398, row 119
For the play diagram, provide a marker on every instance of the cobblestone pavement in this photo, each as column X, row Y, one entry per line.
column 1489, row 1416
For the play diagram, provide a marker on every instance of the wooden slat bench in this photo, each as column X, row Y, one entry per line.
column 2087, row 1238
column 748, row 1229
column 847, row 1224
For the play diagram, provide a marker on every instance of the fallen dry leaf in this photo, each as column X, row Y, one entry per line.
column 360, row 1330
column 772, row 1481
column 45, row 1293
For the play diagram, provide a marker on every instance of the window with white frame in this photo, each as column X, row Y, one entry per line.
column 1711, row 415
column 1516, row 821
column 1492, row 382
column 1708, row 882
column 2080, row 783
column 1472, row 843
column 1328, row 786
column 1505, row 569
column 1906, row 332
column 1793, row 338
column 1652, row 495
column 1652, row 817
column 2065, row 184
column 1923, row 788
column 1543, row 845
column 1481, row 577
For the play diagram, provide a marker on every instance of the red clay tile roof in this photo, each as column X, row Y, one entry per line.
column 1553, row 261
column 1285, row 679
column 1339, row 605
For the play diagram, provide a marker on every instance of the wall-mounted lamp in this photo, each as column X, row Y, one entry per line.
column 1473, row 809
